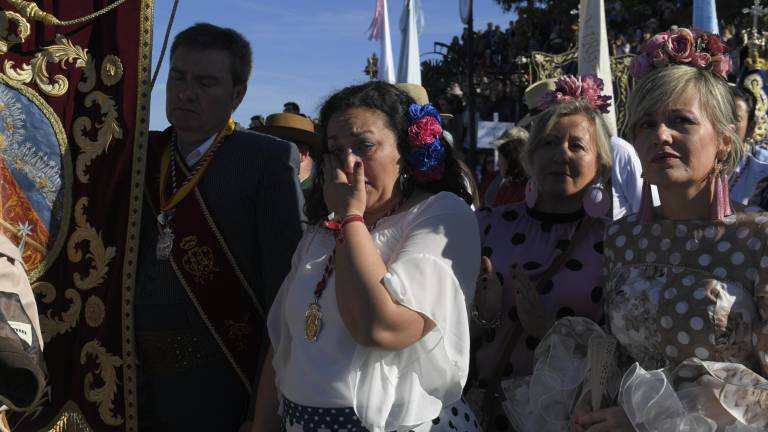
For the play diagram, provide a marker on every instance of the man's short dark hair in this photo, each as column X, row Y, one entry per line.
column 206, row 36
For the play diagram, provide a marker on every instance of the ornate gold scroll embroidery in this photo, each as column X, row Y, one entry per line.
column 99, row 255
column 51, row 326
column 239, row 332
column 94, row 311
column 111, row 70
column 108, row 128
column 198, row 260
column 62, row 52
column 103, row 396
column 8, row 40
column 88, row 81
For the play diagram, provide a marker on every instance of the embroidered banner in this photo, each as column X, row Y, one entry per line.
column 74, row 95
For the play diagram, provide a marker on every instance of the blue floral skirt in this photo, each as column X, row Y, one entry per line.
column 456, row 417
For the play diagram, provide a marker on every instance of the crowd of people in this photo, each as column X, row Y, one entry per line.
column 350, row 275
column 500, row 55
column 592, row 284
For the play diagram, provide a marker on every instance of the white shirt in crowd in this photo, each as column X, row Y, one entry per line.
column 626, row 182
column 432, row 255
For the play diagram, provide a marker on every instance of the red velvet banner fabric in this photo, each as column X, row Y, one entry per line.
column 74, row 101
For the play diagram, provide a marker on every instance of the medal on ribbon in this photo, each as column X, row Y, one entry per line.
column 168, row 163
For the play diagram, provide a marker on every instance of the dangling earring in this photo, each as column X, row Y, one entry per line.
column 646, row 204
column 402, row 180
column 721, row 203
column 531, row 193
column 597, row 201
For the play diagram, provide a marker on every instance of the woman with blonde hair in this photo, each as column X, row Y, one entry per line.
column 543, row 257
column 686, row 301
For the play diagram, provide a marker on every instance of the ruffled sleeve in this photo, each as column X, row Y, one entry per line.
column 434, row 274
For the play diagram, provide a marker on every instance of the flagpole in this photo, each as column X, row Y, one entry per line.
column 472, row 159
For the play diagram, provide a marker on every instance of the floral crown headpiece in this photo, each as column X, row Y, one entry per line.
column 569, row 88
column 695, row 48
column 427, row 154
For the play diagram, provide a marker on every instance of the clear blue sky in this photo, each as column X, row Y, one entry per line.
column 304, row 50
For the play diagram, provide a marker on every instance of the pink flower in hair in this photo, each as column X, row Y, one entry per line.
column 569, row 85
column 700, row 59
column 680, row 46
column 713, row 43
column 654, row 43
column 721, row 65
column 424, row 131
column 698, row 49
column 572, row 88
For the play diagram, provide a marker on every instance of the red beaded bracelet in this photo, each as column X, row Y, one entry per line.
column 351, row 218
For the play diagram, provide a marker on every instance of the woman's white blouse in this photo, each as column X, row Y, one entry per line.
column 432, row 253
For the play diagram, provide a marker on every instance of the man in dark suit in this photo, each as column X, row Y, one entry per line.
column 220, row 222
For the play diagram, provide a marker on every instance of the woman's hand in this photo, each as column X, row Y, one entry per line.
column 488, row 292
column 612, row 419
column 343, row 195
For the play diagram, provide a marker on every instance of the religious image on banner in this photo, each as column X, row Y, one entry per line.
column 74, row 105
column 34, row 204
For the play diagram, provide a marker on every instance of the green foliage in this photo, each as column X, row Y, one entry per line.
column 633, row 13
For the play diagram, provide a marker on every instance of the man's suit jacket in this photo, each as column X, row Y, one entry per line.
column 251, row 190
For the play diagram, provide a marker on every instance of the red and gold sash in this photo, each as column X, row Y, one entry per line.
column 209, row 273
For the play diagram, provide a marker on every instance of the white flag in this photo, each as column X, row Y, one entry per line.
column 411, row 21
column 705, row 16
column 380, row 30
column 465, row 10
column 594, row 57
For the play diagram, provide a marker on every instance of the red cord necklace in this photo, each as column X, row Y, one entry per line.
column 313, row 318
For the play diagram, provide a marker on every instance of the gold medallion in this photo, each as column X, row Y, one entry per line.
column 313, row 322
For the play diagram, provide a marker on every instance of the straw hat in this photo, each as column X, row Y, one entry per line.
column 513, row 133
column 292, row 127
column 533, row 95
column 419, row 94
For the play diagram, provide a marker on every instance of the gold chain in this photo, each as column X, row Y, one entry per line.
column 30, row 10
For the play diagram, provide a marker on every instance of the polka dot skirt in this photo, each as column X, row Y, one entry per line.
column 456, row 417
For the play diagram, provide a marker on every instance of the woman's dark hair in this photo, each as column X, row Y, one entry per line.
column 393, row 103
column 749, row 100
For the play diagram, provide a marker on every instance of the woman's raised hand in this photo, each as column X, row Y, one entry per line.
column 488, row 292
column 344, row 195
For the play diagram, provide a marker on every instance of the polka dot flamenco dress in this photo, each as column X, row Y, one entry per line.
column 688, row 304
column 456, row 417
column 514, row 235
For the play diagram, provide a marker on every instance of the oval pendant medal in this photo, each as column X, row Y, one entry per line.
column 313, row 322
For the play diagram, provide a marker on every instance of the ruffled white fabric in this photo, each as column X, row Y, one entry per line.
column 725, row 392
column 543, row 401
column 693, row 396
column 432, row 255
